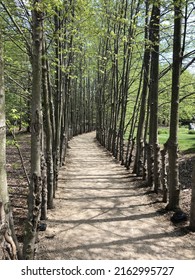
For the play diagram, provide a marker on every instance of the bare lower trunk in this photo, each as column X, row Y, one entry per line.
column 43, row 215
column 192, row 210
column 164, row 174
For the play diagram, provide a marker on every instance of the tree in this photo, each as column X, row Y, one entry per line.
column 172, row 143
column 192, row 209
column 34, row 197
column 48, row 127
column 153, row 96
column 8, row 245
column 138, row 163
column 112, row 58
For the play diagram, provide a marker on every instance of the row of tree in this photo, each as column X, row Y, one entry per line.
column 56, row 92
column 72, row 66
column 132, row 66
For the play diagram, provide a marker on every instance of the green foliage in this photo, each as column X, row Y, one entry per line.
column 10, row 142
column 49, row 6
column 16, row 109
column 94, row 39
column 187, row 94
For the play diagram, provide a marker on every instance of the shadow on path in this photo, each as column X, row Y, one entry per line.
column 102, row 213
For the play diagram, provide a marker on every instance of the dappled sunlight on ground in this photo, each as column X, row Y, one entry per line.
column 102, row 213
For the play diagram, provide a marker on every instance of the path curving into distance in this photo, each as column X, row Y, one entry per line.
column 102, row 213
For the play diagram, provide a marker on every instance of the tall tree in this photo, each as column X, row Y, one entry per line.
column 138, row 164
column 172, row 143
column 153, row 94
column 48, row 127
column 8, row 245
column 34, row 197
column 192, row 209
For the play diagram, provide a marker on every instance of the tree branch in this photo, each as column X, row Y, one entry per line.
column 17, row 27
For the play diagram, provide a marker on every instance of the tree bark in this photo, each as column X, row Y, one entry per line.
column 58, row 96
column 172, row 143
column 34, row 197
column 48, row 131
column 8, row 245
column 192, row 209
column 142, row 117
column 153, row 93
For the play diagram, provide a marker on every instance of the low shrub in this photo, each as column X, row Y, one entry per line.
column 191, row 132
column 163, row 131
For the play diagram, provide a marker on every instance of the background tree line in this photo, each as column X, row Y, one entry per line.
column 72, row 66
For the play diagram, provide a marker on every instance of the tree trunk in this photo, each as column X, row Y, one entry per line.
column 140, row 130
column 48, row 132
column 164, row 174
column 192, row 209
column 8, row 245
column 58, row 96
column 172, row 144
column 153, row 94
column 34, row 197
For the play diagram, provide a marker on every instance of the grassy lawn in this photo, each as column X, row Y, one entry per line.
column 186, row 140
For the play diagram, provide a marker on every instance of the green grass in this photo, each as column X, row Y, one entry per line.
column 186, row 140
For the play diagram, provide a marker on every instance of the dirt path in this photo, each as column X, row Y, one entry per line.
column 101, row 213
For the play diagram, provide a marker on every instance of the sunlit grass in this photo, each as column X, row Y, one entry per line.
column 186, row 140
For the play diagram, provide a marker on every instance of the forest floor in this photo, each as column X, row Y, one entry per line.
column 102, row 211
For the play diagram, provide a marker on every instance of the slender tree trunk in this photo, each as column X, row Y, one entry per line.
column 43, row 215
column 164, row 173
column 8, row 245
column 81, row 105
column 34, row 197
column 51, row 103
column 58, row 96
column 101, row 100
column 116, row 102
column 128, row 51
column 172, row 144
column 140, row 130
column 133, row 121
column 192, row 209
column 154, row 76
column 154, row 81
column 48, row 132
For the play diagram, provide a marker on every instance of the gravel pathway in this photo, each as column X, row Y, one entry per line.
column 102, row 213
